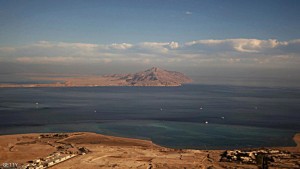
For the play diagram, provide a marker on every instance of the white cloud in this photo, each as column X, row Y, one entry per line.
column 240, row 45
column 153, row 46
column 188, row 13
column 161, row 47
column 121, row 46
column 233, row 60
column 295, row 41
column 174, row 45
column 84, row 46
column 199, row 51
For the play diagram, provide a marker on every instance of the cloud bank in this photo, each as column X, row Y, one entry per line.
column 224, row 51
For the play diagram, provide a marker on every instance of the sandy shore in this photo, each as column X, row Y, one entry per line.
column 102, row 151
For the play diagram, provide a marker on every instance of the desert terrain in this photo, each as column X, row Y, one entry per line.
column 91, row 150
column 150, row 77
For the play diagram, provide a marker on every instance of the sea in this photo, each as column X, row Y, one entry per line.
column 190, row 116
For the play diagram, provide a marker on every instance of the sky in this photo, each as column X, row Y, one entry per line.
column 213, row 41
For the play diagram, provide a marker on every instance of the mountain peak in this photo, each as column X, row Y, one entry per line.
column 154, row 69
column 156, row 77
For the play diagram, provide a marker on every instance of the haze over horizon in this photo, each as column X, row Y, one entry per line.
column 214, row 42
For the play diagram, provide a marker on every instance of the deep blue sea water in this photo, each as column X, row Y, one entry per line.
column 175, row 117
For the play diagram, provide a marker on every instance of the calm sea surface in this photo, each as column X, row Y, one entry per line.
column 190, row 116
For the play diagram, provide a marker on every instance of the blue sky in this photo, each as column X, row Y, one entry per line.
column 188, row 35
column 135, row 21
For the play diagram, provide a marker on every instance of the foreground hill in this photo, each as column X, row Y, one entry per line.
column 151, row 77
column 90, row 150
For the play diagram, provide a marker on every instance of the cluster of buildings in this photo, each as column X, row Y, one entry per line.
column 47, row 161
column 266, row 157
column 64, row 151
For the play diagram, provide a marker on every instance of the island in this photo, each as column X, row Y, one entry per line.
column 151, row 77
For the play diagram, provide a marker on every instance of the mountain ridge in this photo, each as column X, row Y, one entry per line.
column 154, row 77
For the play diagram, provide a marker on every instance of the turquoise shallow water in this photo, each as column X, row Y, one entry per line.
column 170, row 116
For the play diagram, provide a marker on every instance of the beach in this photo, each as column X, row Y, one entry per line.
column 91, row 150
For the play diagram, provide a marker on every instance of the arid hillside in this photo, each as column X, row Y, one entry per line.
column 151, row 77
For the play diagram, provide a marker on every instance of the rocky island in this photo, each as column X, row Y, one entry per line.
column 151, row 77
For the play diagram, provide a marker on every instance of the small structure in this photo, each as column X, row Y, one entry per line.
column 262, row 157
